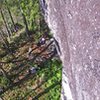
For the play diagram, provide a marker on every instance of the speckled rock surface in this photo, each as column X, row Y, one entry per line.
column 76, row 26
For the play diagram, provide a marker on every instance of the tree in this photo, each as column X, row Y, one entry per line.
column 24, row 19
column 5, row 23
column 75, row 25
column 10, row 15
column 2, row 8
column 4, row 41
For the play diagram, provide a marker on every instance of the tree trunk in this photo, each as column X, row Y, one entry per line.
column 5, row 23
column 76, row 27
column 4, row 40
column 24, row 19
column 10, row 15
column 6, row 44
column 26, row 25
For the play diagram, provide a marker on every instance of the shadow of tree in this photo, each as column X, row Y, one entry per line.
column 28, row 76
column 22, row 66
column 41, row 84
column 46, row 90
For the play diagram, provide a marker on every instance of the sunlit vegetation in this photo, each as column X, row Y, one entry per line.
column 30, row 68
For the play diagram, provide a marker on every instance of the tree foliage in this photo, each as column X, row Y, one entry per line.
column 26, row 44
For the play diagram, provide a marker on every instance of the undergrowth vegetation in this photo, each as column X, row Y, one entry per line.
column 30, row 68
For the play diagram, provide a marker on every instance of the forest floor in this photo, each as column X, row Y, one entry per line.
column 34, row 76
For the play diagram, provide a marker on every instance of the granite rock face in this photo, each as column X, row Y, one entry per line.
column 76, row 26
